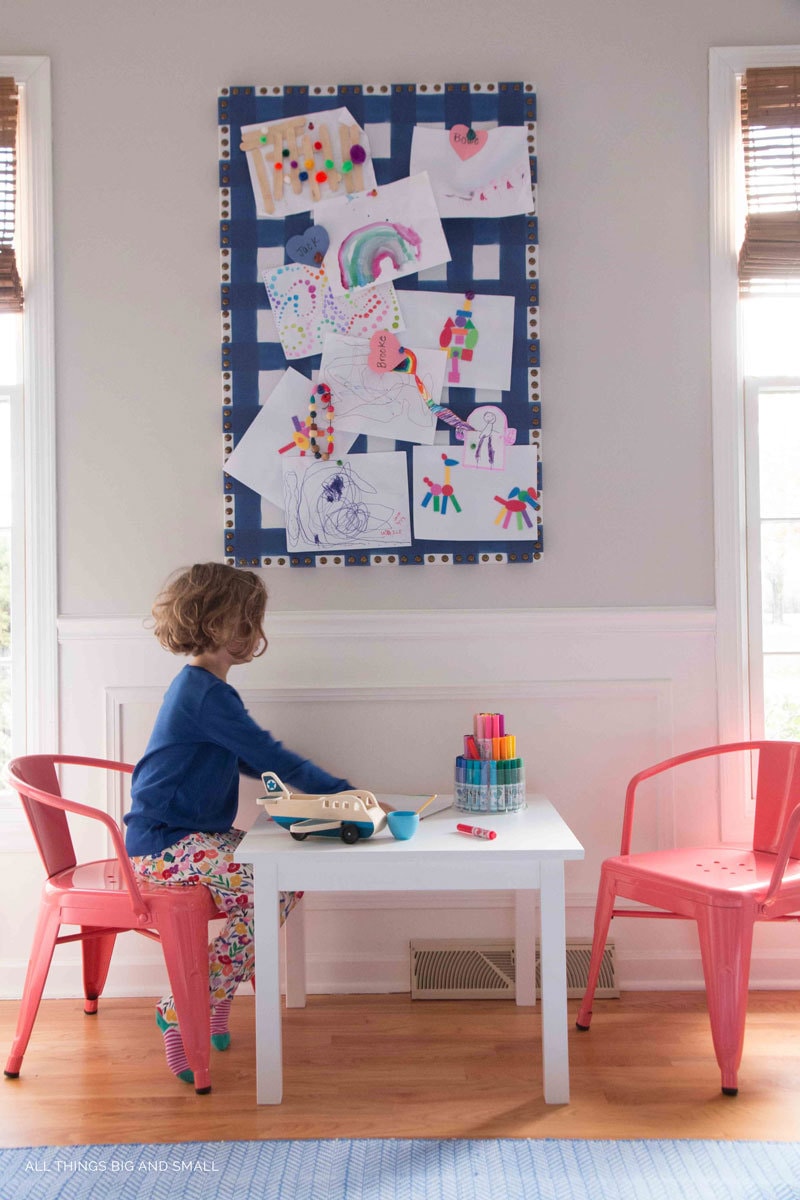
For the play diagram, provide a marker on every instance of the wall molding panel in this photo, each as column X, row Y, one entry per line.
column 383, row 697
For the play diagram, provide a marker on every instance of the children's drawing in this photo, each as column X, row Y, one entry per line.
column 459, row 337
column 296, row 161
column 387, row 403
column 485, row 442
column 488, row 363
column 280, row 430
column 441, row 493
column 476, row 172
column 382, row 234
column 515, row 504
column 346, row 503
column 305, row 309
column 475, row 516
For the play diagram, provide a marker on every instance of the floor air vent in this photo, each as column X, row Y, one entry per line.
column 468, row 969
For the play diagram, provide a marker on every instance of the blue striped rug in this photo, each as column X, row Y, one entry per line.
column 549, row 1169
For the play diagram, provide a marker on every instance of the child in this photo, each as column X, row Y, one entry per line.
column 185, row 789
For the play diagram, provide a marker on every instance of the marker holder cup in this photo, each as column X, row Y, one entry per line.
column 491, row 798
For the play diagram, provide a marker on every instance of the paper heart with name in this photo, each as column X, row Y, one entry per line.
column 385, row 352
column 308, row 248
column 467, row 142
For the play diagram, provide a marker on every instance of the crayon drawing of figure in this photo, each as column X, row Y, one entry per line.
column 485, row 442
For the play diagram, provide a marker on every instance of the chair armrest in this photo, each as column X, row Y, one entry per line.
column 666, row 765
column 782, row 857
column 84, row 810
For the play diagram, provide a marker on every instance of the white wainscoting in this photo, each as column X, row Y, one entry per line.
column 384, row 698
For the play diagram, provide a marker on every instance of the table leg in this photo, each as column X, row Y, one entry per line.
column 269, row 1049
column 555, row 1052
column 525, row 945
column 295, row 930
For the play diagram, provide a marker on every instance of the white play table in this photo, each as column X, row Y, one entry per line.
column 527, row 856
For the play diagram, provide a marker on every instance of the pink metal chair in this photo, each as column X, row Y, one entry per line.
column 725, row 889
column 105, row 898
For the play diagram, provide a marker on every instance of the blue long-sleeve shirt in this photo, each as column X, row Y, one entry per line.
column 188, row 779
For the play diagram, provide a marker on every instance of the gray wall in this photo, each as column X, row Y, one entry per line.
column 622, row 88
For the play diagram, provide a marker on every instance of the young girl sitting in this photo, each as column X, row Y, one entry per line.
column 185, row 789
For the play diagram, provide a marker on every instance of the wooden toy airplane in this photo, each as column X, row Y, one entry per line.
column 348, row 815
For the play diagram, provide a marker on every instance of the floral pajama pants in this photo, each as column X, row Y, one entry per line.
column 210, row 859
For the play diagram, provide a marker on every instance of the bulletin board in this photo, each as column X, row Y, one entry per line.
column 398, row 218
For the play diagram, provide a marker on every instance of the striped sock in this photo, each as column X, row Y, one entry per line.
column 220, row 1036
column 177, row 1061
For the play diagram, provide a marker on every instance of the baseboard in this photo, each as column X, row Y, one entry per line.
column 369, row 974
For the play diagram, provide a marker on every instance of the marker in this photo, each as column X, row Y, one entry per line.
column 476, row 831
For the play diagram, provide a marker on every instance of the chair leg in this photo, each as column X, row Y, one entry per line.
column 184, row 940
column 97, row 951
column 44, row 941
column 602, row 920
column 726, row 939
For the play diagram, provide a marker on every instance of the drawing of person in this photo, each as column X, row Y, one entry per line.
column 485, row 443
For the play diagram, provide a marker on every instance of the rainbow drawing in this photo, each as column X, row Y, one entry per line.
column 362, row 252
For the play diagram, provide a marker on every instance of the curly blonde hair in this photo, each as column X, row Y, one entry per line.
column 211, row 605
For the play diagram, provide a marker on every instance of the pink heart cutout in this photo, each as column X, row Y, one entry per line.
column 466, row 141
column 385, row 352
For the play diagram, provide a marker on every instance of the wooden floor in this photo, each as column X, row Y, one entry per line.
column 387, row 1066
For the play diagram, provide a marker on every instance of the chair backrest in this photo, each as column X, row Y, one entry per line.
column 34, row 777
column 777, row 793
column 48, row 823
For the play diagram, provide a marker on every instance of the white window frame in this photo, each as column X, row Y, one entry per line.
column 754, row 387
column 726, row 65
column 35, row 593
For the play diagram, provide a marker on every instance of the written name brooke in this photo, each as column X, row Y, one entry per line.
column 116, row 1165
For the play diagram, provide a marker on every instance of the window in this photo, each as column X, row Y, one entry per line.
column 772, row 440
column 12, row 673
column 28, row 660
column 754, row 516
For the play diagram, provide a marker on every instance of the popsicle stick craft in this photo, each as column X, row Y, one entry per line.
column 410, row 434
column 296, row 161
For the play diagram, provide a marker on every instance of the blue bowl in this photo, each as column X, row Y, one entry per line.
column 403, row 825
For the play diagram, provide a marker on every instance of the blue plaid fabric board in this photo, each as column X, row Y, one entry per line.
column 388, row 113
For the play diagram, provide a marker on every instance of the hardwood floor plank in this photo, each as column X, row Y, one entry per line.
column 387, row 1066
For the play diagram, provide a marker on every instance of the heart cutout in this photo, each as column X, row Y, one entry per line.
column 385, row 352
column 309, row 248
column 466, row 142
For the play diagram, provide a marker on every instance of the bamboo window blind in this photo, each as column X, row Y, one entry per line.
column 769, row 259
column 10, row 283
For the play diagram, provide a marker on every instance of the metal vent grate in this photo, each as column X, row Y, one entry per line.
column 469, row 969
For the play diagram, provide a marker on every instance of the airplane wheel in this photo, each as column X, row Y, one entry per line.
column 350, row 834
column 298, row 837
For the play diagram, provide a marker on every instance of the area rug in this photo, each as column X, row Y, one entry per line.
column 547, row 1169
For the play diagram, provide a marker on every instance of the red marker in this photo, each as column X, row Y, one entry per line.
column 476, row 831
